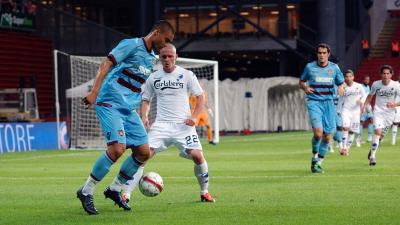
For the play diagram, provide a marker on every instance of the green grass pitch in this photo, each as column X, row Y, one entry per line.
column 257, row 179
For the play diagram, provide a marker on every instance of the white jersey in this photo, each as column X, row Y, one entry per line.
column 384, row 94
column 172, row 91
column 353, row 95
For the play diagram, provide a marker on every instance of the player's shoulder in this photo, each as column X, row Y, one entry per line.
column 156, row 74
column 334, row 65
column 377, row 83
column 312, row 64
column 132, row 42
column 184, row 71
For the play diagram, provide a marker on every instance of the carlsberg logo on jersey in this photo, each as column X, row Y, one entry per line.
column 167, row 84
column 386, row 93
column 348, row 92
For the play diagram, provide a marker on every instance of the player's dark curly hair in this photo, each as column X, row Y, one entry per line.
column 388, row 67
column 323, row 45
column 163, row 25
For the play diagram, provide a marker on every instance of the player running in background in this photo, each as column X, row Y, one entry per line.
column 318, row 80
column 174, row 124
column 351, row 103
column 386, row 91
column 338, row 136
column 116, row 94
column 396, row 121
column 202, row 120
column 366, row 117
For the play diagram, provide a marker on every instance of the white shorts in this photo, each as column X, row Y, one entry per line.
column 164, row 134
column 382, row 120
column 351, row 120
column 397, row 116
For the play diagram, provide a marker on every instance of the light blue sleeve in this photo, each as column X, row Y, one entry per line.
column 305, row 75
column 122, row 50
column 339, row 79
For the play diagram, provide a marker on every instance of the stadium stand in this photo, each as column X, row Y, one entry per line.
column 29, row 56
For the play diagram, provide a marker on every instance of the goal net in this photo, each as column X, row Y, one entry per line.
column 84, row 127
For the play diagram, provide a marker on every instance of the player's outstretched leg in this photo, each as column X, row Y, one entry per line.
column 128, row 169
column 130, row 185
column 372, row 151
column 87, row 202
column 100, row 169
column 201, row 173
column 316, row 163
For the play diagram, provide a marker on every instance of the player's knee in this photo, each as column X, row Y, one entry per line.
column 115, row 151
column 185, row 156
column 142, row 153
column 197, row 156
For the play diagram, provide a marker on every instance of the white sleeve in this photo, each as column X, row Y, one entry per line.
column 147, row 89
column 194, row 85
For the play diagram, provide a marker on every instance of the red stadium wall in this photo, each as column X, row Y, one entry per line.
column 25, row 55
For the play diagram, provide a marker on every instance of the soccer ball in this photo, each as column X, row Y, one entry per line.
column 151, row 184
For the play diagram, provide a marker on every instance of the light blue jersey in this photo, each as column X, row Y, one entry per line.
column 367, row 88
column 322, row 80
column 320, row 103
column 133, row 63
column 120, row 93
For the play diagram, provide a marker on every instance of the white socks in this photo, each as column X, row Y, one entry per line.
column 88, row 188
column 375, row 145
column 116, row 185
column 130, row 185
column 201, row 173
column 394, row 134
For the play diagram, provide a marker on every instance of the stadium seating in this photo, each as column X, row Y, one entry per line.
column 371, row 65
column 23, row 54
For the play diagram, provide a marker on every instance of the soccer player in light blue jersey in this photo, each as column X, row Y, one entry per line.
column 116, row 94
column 318, row 80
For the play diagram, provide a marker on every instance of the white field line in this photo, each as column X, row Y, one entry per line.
column 167, row 153
column 264, row 138
column 51, row 156
column 312, row 176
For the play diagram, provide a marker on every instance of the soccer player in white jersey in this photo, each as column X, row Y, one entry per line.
column 396, row 121
column 351, row 103
column 175, row 123
column 386, row 91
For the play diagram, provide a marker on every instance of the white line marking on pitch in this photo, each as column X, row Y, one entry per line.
column 220, row 177
column 46, row 156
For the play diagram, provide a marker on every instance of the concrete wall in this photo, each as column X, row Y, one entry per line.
column 378, row 15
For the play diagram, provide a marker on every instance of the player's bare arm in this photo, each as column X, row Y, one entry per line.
column 145, row 112
column 340, row 89
column 366, row 103
column 100, row 75
column 306, row 89
column 200, row 100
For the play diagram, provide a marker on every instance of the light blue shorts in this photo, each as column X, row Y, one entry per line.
column 121, row 126
column 322, row 114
